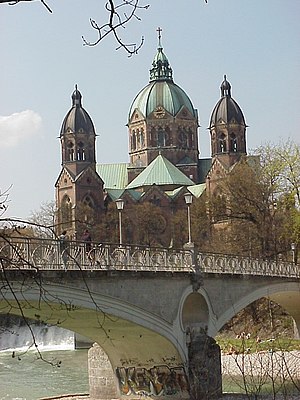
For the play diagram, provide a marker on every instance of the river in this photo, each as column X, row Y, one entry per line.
column 31, row 379
column 24, row 376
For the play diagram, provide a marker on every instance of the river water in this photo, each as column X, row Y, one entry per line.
column 24, row 376
column 31, row 379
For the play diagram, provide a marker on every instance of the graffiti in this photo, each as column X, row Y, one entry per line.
column 157, row 381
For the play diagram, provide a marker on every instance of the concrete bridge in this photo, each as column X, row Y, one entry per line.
column 154, row 312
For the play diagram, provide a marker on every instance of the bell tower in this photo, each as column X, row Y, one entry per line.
column 79, row 189
column 227, row 128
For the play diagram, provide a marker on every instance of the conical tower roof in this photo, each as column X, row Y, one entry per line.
column 77, row 118
column 227, row 109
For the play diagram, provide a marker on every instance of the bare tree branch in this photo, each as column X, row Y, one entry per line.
column 14, row 2
column 119, row 16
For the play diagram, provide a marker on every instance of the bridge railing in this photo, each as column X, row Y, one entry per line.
column 48, row 254
column 229, row 264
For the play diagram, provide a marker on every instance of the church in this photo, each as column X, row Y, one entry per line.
column 164, row 162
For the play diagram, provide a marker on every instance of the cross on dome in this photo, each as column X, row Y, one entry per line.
column 159, row 30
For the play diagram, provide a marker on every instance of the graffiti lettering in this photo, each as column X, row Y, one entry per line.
column 156, row 381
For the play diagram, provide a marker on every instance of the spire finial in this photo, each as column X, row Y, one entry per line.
column 76, row 97
column 159, row 30
column 225, row 88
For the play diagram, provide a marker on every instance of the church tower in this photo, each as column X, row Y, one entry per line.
column 79, row 189
column 227, row 128
column 162, row 120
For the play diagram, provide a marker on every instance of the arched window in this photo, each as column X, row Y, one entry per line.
column 133, row 140
column 222, row 143
column 80, row 152
column 88, row 201
column 87, row 212
column 161, row 138
column 219, row 206
column 152, row 137
column 138, row 162
column 190, row 138
column 233, row 143
column 66, row 211
column 142, row 138
column 183, row 139
column 70, row 151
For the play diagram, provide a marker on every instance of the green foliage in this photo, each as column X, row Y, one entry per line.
column 255, row 209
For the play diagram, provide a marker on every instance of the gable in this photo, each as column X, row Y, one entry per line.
column 65, row 178
column 89, row 177
column 154, row 194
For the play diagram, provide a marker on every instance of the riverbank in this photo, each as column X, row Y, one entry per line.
column 283, row 364
column 225, row 396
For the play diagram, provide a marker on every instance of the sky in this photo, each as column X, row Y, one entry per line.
column 255, row 43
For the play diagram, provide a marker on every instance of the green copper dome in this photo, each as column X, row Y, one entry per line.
column 161, row 90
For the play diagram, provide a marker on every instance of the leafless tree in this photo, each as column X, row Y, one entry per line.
column 119, row 14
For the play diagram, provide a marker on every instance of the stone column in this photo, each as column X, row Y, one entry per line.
column 102, row 380
column 205, row 376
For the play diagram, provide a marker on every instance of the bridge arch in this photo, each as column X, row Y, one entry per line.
column 121, row 329
column 286, row 294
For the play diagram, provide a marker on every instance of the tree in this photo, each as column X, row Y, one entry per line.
column 149, row 225
column 44, row 219
column 199, row 225
column 256, row 209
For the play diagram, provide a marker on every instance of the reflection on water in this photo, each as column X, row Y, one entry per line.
column 31, row 379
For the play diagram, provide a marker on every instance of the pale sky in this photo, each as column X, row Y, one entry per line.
column 254, row 42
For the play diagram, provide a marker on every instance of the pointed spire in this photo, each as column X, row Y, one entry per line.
column 76, row 98
column 225, row 88
column 161, row 70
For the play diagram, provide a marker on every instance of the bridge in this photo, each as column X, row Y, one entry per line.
column 152, row 311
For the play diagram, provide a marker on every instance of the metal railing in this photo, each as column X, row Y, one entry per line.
column 48, row 254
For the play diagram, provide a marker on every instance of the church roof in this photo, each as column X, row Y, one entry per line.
column 197, row 190
column 164, row 94
column 204, row 165
column 114, row 176
column 160, row 172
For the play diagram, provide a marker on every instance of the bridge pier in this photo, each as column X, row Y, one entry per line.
column 102, row 380
column 201, row 381
column 205, row 376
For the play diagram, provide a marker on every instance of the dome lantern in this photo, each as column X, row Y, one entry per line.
column 161, row 69
column 225, row 88
column 76, row 98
